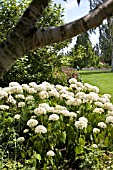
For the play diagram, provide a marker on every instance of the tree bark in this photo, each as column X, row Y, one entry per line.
column 26, row 36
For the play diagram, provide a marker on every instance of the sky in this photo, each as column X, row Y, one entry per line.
column 73, row 11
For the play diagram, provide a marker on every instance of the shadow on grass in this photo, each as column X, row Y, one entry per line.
column 95, row 72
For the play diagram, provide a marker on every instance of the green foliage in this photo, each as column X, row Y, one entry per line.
column 55, row 127
column 83, row 54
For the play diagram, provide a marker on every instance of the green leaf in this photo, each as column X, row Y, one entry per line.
column 81, row 141
column 37, row 156
column 78, row 150
column 63, row 137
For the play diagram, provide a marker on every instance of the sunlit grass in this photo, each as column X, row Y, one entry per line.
column 102, row 79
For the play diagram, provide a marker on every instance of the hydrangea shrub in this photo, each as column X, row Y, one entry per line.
column 47, row 126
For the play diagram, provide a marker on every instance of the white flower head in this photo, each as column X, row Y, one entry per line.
column 98, row 110
column 102, row 125
column 32, row 123
column 31, row 90
column 16, row 89
column 40, row 129
column 25, row 130
column 11, row 100
column 17, row 116
column 94, row 146
column 21, row 104
column 3, row 94
column 4, row 107
column 21, row 139
column 96, row 130
column 83, row 119
column 108, row 106
column 53, row 117
column 11, row 84
column 109, row 119
column 80, row 124
column 40, row 111
column 72, row 81
column 50, row 153
column 44, row 105
column 25, row 87
column 43, row 95
column 19, row 96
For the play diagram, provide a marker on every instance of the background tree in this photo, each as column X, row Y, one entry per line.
column 105, row 37
column 83, row 54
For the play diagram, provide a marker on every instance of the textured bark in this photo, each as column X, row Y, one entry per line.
column 26, row 36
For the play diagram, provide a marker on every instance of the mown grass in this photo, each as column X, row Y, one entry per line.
column 100, row 78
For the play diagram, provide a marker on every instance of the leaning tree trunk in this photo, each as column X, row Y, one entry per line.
column 26, row 36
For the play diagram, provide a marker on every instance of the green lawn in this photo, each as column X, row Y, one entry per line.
column 102, row 79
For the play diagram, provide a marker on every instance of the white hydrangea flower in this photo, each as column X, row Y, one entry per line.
column 7, row 89
column 106, row 95
column 33, row 85
column 99, row 104
column 16, row 89
column 109, row 119
column 19, row 96
column 11, row 100
column 83, row 119
column 110, row 113
column 17, row 116
column 25, row 87
column 73, row 86
column 98, row 110
column 50, row 109
column 40, row 111
column 40, row 129
column 43, row 95
column 59, row 87
column 25, row 130
column 92, row 96
column 53, row 93
column 80, row 95
column 80, row 124
column 32, row 123
column 11, row 84
column 31, row 90
column 96, row 130
column 72, row 114
column 108, row 106
column 3, row 94
column 95, row 89
column 79, row 84
column 94, row 146
column 102, row 125
column 53, row 117
column 41, row 87
column 50, row 153
column 44, row 105
column 59, row 107
column 66, row 96
column 4, row 107
column 21, row 104
column 21, row 139
column 74, row 102
column 103, row 99
column 29, row 97
column 72, row 81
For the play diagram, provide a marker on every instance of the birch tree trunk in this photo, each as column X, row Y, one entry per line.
column 26, row 36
